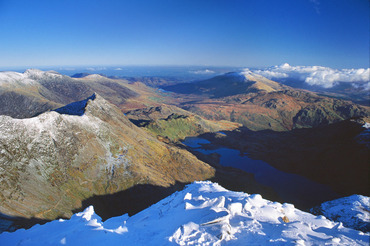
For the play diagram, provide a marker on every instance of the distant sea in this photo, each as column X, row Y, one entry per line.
column 186, row 73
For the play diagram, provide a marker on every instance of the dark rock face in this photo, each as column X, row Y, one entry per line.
column 75, row 108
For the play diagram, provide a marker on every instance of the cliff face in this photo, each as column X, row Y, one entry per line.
column 50, row 163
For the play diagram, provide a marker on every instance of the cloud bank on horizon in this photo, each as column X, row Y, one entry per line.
column 318, row 76
column 205, row 71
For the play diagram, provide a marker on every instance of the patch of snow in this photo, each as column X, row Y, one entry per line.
column 367, row 125
column 114, row 162
column 95, row 76
column 204, row 213
column 37, row 74
column 352, row 211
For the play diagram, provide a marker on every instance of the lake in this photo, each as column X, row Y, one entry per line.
column 292, row 188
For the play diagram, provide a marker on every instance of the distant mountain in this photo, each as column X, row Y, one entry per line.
column 204, row 213
column 80, row 75
column 50, row 165
column 228, row 84
column 259, row 103
column 154, row 81
column 27, row 94
column 341, row 90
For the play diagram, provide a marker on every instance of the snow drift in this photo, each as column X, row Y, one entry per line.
column 204, row 213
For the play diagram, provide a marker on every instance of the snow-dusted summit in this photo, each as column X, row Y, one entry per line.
column 29, row 77
column 204, row 213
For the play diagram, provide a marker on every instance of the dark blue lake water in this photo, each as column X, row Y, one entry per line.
column 292, row 188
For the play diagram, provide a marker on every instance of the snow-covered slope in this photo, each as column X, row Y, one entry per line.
column 29, row 77
column 352, row 211
column 204, row 213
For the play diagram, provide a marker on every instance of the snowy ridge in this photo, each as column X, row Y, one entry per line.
column 29, row 77
column 203, row 213
column 15, row 79
column 95, row 76
column 37, row 74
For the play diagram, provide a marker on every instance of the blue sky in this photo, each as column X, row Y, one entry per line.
column 250, row 33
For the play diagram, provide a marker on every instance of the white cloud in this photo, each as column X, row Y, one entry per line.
column 96, row 68
column 271, row 74
column 206, row 71
column 317, row 75
column 118, row 69
column 365, row 86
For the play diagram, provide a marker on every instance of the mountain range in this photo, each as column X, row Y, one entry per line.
column 67, row 143
column 259, row 103
column 24, row 95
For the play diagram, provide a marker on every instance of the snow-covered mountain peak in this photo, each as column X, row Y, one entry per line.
column 29, row 78
column 38, row 74
column 95, row 76
column 14, row 79
column 203, row 213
